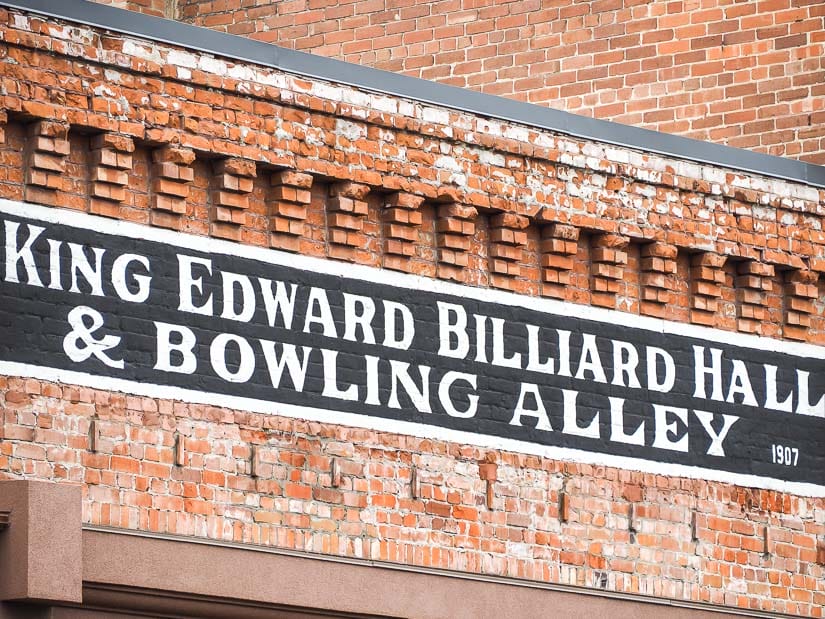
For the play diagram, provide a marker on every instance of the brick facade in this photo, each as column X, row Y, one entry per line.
column 168, row 137
column 747, row 74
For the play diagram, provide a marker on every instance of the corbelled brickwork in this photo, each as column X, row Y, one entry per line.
column 748, row 74
column 167, row 137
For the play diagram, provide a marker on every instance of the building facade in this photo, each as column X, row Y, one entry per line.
column 286, row 336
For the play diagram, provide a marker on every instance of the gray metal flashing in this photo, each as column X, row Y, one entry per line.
column 424, row 91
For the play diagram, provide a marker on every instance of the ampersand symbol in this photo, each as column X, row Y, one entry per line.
column 81, row 333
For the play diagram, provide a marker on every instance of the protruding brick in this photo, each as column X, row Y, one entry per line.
column 172, row 174
column 347, row 210
column 658, row 270
column 402, row 219
column 508, row 238
column 455, row 225
column 288, row 211
column 608, row 259
column 800, row 293
column 752, row 282
column 559, row 246
column 48, row 148
column 707, row 276
column 174, row 154
column 233, row 182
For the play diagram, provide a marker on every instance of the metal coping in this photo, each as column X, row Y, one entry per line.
column 424, row 91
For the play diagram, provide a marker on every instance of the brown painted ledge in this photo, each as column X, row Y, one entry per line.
column 127, row 574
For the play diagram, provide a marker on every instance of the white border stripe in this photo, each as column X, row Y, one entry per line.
column 408, row 428
column 401, row 280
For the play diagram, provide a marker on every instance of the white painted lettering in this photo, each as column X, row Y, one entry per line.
column 448, row 328
column 447, row 381
column 701, row 371
column 571, row 417
column 617, row 425
column 481, row 338
column 217, row 356
column 81, row 266
column 534, row 364
column 663, row 429
column 331, row 389
column 318, row 300
column 499, row 356
column 295, row 367
column 353, row 318
column 740, row 383
column 539, row 412
column 278, row 304
column 590, row 361
column 654, row 383
column 231, row 283
column 188, row 283
column 54, row 264
column 771, row 397
column 15, row 254
column 420, row 397
column 564, row 352
column 392, row 311
column 804, row 406
column 716, row 439
column 188, row 362
column 625, row 362
column 372, row 381
column 120, row 271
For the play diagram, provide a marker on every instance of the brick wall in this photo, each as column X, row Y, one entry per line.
column 158, row 8
column 748, row 74
column 166, row 137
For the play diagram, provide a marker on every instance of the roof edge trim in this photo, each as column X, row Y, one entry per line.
column 423, row 91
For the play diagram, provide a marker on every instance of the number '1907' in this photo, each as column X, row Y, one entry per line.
column 782, row 454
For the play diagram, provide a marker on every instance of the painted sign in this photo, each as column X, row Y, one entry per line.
column 115, row 305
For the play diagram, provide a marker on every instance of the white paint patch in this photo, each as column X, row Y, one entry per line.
column 384, row 104
column 147, row 52
column 326, row 91
column 520, row 134
column 102, row 90
column 714, row 175
column 490, row 157
column 616, row 155
column 182, row 59
column 448, row 163
column 350, row 130
column 484, row 125
column 355, row 97
column 241, row 72
column 213, row 65
column 435, row 115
